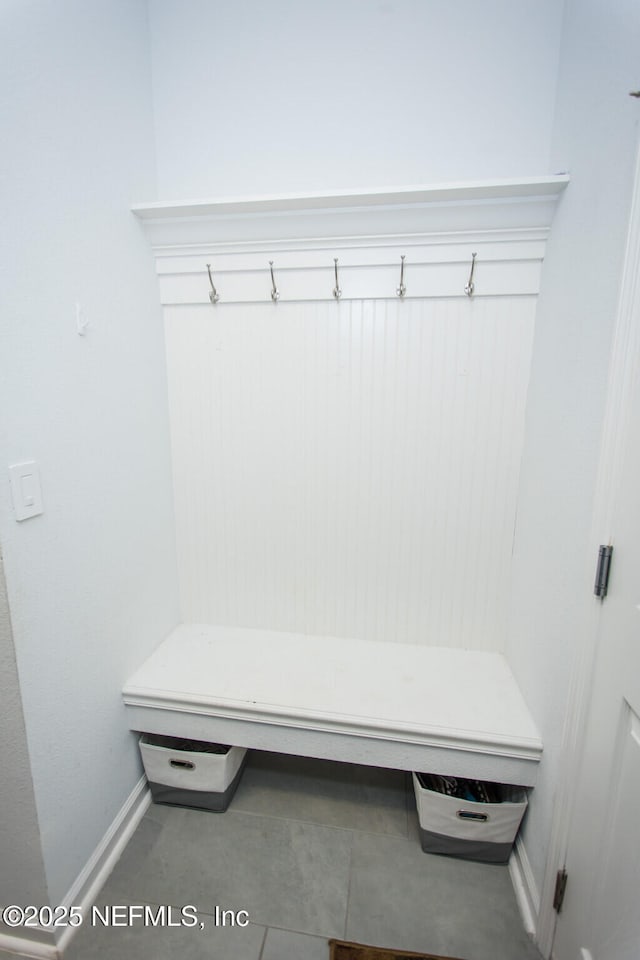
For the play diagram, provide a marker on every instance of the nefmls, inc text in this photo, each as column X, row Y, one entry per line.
column 126, row 915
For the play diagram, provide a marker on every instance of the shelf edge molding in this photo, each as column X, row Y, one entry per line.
column 440, row 228
column 487, row 190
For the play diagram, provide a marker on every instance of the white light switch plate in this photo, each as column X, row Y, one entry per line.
column 26, row 490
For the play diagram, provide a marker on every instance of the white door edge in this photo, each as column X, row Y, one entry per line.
column 624, row 362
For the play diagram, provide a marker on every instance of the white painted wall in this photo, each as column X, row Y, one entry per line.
column 595, row 133
column 253, row 97
column 91, row 582
column 22, row 878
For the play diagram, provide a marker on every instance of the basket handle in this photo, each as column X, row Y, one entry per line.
column 182, row 764
column 472, row 815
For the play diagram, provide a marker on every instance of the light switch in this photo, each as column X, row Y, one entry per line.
column 26, row 490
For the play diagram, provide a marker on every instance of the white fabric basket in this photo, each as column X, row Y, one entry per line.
column 465, row 828
column 181, row 774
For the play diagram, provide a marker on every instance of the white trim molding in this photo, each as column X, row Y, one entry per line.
column 535, row 187
column 437, row 229
column 524, row 886
column 104, row 858
column 28, row 948
column 435, row 266
column 91, row 878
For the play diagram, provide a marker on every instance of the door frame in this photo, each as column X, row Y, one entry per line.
column 623, row 366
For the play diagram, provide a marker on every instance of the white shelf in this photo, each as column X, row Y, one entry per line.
column 474, row 209
column 526, row 187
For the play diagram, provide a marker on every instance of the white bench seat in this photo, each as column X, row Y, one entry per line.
column 397, row 705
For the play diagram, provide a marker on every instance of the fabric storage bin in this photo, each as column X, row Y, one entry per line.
column 473, row 829
column 191, row 773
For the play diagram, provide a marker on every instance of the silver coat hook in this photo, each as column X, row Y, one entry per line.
column 214, row 296
column 469, row 285
column 401, row 290
column 274, row 291
column 337, row 292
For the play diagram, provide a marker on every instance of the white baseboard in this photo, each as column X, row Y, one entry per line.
column 524, row 885
column 104, row 858
column 90, row 879
column 27, row 948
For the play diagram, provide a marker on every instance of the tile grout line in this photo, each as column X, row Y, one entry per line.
column 346, row 912
column 264, row 941
column 328, row 826
column 321, row 937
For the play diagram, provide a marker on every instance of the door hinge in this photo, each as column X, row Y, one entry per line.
column 561, row 886
column 603, row 568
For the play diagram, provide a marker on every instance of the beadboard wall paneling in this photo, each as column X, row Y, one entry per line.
column 349, row 468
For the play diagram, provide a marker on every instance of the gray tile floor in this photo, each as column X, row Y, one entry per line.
column 311, row 850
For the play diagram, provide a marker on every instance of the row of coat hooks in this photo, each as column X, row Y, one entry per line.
column 401, row 290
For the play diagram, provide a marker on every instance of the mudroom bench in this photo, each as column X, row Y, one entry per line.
column 396, row 705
